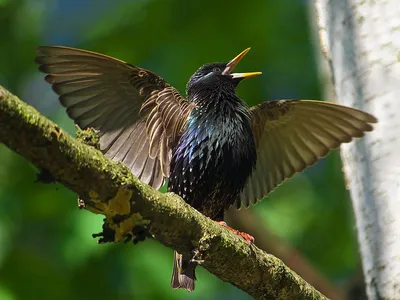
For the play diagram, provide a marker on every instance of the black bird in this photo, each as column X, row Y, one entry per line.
column 215, row 151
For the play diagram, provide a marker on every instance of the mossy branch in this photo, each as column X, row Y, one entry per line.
column 111, row 189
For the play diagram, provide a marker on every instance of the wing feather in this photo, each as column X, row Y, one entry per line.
column 291, row 135
column 127, row 104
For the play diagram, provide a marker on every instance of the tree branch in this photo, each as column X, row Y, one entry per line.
column 111, row 189
column 265, row 239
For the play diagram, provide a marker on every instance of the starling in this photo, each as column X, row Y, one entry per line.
column 215, row 151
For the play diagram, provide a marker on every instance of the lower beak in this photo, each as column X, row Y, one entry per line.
column 245, row 75
column 232, row 64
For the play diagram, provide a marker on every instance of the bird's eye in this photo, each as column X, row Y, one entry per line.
column 216, row 69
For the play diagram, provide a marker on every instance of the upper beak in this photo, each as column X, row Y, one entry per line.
column 232, row 64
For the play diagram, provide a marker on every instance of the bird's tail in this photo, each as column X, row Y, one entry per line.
column 183, row 274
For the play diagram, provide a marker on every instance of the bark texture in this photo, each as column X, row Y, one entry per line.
column 361, row 41
column 133, row 209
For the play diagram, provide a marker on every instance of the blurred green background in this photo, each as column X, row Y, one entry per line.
column 46, row 248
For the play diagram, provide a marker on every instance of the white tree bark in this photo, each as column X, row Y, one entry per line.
column 361, row 40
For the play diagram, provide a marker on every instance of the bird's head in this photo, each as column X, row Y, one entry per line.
column 218, row 76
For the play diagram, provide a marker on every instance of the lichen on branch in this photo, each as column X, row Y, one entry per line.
column 134, row 210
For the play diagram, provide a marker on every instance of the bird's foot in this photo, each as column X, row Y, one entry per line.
column 248, row 238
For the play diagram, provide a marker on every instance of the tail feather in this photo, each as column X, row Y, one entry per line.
column 183, row 274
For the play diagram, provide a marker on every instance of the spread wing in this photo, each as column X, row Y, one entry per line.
column 139, row 115
column 291, row 135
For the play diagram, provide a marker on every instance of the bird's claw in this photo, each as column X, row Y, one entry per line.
column 247, row 237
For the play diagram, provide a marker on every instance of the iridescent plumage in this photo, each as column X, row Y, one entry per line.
column 215, row 151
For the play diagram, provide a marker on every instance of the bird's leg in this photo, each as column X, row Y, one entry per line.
column 249, row 238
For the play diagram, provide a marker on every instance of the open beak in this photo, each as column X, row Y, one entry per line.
column 232, row 64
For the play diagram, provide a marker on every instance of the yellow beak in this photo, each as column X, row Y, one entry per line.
column 232, row 64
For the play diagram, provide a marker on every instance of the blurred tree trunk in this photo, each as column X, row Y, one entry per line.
column 361, row 41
